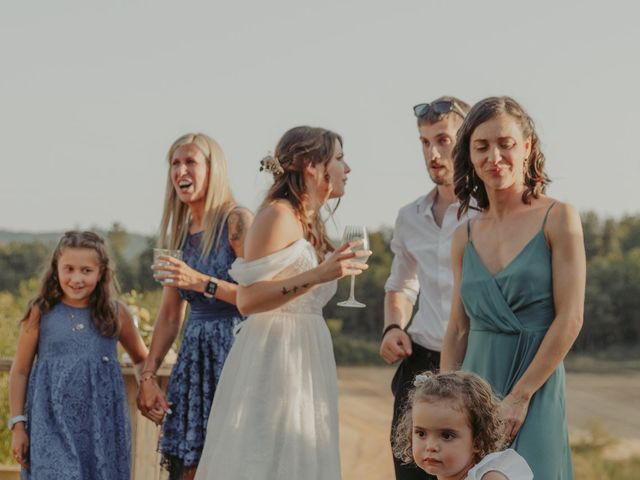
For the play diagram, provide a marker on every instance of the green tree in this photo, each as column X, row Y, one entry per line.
column 117, row 239
column 20, row 261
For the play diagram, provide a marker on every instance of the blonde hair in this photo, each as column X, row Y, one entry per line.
column 219, row 200
column 469, row 394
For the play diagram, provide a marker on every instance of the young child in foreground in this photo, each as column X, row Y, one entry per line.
column 69, row 414
column 450, row 428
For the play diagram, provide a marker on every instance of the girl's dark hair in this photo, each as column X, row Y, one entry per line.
column 464, row 391
column 466, row 183
column 299, row 147
column 102, row 300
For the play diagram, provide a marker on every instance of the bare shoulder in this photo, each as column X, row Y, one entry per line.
column 563, row 220
column 275, row 227
column 123, row 310
column 31, row 323
column 124, row 315
column 239, row 221
column 460, row 236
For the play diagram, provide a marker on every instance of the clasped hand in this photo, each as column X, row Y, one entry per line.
column 152, row 402
column 343, row 262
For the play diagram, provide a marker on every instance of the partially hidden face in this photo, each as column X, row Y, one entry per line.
column 78, row 274
column 498, row 151
column 438, row 140
column 338, row 170
column 189, row 172
column 442, row 440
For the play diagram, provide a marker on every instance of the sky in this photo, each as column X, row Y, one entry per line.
column 92, row 94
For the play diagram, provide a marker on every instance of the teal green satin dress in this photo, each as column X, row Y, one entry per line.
column 510, row 313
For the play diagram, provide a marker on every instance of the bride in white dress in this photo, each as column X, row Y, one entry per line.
column 275, row 413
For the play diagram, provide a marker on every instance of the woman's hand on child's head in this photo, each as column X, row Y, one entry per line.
column 176, row 273
column 514, row 411
column 344, row 261
column 20, row 445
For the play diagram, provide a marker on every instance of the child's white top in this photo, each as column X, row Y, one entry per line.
column 508, row 462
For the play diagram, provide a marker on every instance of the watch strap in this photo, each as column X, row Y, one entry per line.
column 13, row 420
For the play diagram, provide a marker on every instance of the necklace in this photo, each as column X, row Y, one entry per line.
column 76, row 324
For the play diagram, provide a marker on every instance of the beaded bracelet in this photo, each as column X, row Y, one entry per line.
column 390, row 327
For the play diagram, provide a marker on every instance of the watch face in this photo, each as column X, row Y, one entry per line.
column 212, row 287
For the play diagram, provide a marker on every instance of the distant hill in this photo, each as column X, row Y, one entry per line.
column 135, row 245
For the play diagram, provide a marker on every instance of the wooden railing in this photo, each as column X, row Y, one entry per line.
column 144, row 433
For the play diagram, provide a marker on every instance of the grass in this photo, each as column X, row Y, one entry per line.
column 590, row 461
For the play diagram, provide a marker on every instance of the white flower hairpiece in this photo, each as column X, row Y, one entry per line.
column 271, row 164
column 420, row 380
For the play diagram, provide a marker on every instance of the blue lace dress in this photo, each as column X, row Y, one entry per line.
column 76, row 402
column 208, row 336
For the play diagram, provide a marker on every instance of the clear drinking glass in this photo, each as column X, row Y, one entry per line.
column 168, row 253
column 352, row 233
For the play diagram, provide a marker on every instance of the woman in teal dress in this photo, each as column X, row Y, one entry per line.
column 519, row 281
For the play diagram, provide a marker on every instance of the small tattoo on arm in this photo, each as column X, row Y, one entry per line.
column 295, row 288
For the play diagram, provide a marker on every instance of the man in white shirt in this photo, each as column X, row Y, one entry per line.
column 421, row 268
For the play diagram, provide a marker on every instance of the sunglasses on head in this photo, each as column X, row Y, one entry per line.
column 440, row 107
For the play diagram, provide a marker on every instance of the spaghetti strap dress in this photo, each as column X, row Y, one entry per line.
column 510, row 313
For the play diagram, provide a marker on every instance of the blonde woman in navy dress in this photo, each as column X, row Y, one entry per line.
column 200, row 218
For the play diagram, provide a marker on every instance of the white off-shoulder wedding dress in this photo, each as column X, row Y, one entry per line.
column 275, row 411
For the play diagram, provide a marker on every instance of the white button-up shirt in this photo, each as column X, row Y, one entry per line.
column 421, row 267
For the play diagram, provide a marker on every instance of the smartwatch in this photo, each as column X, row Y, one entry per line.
column 210, row 288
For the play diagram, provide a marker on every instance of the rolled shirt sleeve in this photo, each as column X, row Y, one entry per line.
column 403, row 277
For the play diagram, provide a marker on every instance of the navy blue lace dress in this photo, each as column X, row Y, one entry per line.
column 208, row 336
column 76, row 402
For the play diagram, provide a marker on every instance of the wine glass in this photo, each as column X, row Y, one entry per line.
column 353, row 233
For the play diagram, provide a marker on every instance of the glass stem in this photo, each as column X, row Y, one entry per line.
column 353, row 283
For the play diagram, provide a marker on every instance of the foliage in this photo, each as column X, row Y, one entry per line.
column 366, row 323
column 352, row 351
column 20, row 261
column 612, row 306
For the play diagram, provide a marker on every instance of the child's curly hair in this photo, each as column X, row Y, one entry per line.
column 470, row 394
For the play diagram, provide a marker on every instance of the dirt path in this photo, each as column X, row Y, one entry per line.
column 366, row 401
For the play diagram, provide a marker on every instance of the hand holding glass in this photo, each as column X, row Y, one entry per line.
column 353, row 233
column 157, row 252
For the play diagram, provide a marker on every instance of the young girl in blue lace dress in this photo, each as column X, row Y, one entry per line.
column 201, row 219
column 69, row 409
column 452, row 429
